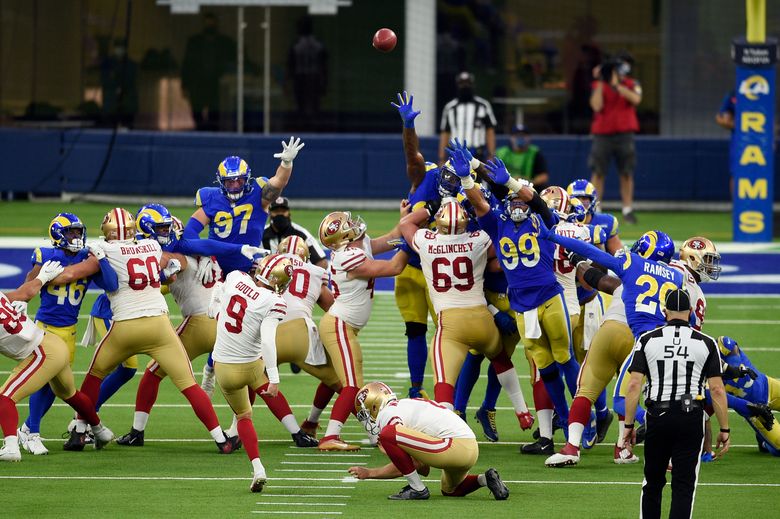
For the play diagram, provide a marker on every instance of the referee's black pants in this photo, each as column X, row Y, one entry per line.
column 679, row 436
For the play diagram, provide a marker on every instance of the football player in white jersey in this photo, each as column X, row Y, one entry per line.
column 141, row 323
column 453, row 263
column 43, row 358
column 352, row 272
column 418, row 434
column 249, row 312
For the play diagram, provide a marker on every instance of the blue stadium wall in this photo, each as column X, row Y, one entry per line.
column 330, row 166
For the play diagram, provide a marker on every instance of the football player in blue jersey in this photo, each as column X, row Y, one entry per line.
column 586, row 193
column 751, row 394
column 59, row 309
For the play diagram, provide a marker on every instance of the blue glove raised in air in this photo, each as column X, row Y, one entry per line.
column 455, row 144
column 404, row 108
column 459, row 163
column 497, row 171
column 505, row 324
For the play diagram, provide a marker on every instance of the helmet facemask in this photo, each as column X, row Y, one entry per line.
column 516, row 209
column 234, row 187
column 74, row 237
column 449, row 182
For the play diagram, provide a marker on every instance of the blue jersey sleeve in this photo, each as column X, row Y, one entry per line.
column 39, row 256
column 107, row 278
column 589, row 251
column 206, row 247
column 489, row 223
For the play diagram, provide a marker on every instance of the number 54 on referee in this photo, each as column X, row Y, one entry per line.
column 676, row 360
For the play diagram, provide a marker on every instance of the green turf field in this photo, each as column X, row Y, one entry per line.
column 179, row 473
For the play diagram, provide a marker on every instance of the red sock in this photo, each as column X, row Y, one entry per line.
column 621, row 418
column 252, row 395
column 580, row 411
column 444, row 393
column 248, row 435
column 502, row 362
column 201, row 404
column 467, row 486
column 9, row 416
column 91, row 387
column 84, row 407
column 397, row 455
column 541, row 398
column 277, row 404
column 147, row 392
column 345, row 404
column 322, row 396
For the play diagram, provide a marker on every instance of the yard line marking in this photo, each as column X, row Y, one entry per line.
column 293, row 513
column 299, row 504
column 306, row 495
column 746, row 307
column 741, row 321
column 333, row 455
column 312, row 470
column 322, row 463
column 340, row 487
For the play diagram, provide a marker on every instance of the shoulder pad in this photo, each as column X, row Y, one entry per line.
column 430, row 166
column 261, row 181
column 350, row 259
column 37, row 257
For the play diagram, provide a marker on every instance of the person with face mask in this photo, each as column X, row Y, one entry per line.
column 280, row 226
column 614, row 98
column 523, row 159
column 470, row 119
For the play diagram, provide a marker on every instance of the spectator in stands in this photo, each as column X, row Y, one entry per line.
column 614, row 99
column 725, row 119
column 468, row 118
column 208, row 56
column 523, row 159
column 307, row 68
column 118, row 75
column 281, row 226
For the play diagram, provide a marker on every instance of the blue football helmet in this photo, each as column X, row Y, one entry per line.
column 577, row 211
column 448, row 181
column 727, row 345
column 515, row 208
column 654, row 245
column 229, row 174
column 67, row 232
column 584, row 190
column 155, row 222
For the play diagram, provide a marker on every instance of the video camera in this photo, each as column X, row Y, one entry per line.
column 622, row 62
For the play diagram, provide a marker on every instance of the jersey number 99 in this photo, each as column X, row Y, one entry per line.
column 526, row 251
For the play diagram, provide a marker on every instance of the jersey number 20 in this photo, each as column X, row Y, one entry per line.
column 652, row 291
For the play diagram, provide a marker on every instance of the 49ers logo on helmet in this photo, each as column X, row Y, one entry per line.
column 696, row 244
column 288, row 270
column 361, row 397
column 333, row 228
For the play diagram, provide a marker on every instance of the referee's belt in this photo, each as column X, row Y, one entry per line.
column 673, row 404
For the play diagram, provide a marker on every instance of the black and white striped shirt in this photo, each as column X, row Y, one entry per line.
column 676, row 359
column 468, row 120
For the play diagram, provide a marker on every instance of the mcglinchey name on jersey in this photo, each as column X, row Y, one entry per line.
column 659, row 270
column 451, row 248
column 139, row 249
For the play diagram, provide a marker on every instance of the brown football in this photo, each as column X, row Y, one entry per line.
column 385, row 40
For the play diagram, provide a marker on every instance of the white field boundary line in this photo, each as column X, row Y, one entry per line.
column 273, row 503
column 297, row 512
column 307, row 495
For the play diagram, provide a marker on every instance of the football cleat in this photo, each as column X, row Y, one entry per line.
column 258, row 482
column 760, row 441
column 630, row 218
column 134, row 438
column 495, row 485
column 76, row 441
column 487, row 419
column 231, row 444
column 418, row 392
column 602, row 427
column 589, row 434
column 295, row 368
column 207, row 380
column 707, row 457
column 526, row 420
column 32, row 443
column 103, row 436
column 461, row 415
column 624, row 456
column 10, row 453
column 334, row 443
column 566, row 457
column 540, row 446
column 408, row 493
column 302, row 439
column 310, row 428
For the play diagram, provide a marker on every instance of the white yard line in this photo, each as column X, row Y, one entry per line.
column 332, row 455
column 299, row 504
column 293, row 513
column 321, row 463
column 307, row 495
column 742, row 321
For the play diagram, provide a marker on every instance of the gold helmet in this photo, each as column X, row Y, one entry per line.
column 275, row 270
column 294, row 245
column 371, row 399
column 177, row 228
column 557, row 200
column 702, row 257
column 118, row 224
column 451, row 218
column 339, row 228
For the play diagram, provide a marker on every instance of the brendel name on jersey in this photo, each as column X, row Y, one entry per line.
column 659, row 270
column 451, row 248
column 140, row 249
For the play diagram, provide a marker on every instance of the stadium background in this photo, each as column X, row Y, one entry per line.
column 62, row 148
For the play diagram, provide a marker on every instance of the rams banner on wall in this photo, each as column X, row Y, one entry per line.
column 753, row 164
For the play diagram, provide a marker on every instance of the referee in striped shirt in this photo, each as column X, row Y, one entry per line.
column 469, row 119
column 676, row 360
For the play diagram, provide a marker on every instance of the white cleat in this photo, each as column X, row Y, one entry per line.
column 10, row 453
column 207, row 381
column 103, row 436
column 559, row 459
column 625, row 457
column 32, row 443
column 258, row 482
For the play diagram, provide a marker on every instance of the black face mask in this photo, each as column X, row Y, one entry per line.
column 465, row 93
column 280, row 222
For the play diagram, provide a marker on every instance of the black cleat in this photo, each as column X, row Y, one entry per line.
column 134, row 438
column 302, row 439
column 496, row 486
column 231, row 444
column 76, row 441
column 541, row 446
column 408, row 493
column 602, row 427
column 295, row 368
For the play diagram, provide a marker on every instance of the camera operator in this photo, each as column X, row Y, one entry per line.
column 614, row 99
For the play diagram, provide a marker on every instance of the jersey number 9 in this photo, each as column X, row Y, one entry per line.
column 236, row 309
column 526, row 250
column 223, row 221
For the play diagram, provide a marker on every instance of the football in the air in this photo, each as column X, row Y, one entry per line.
column 385, row 40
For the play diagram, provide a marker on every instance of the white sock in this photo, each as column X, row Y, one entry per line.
column 290, row 424
column 218, row 435
column 334, row 428
column 575, row 433
column 481, row 480
column 139, row 420
column 511, row 385
column 81, row 426
column 627, row 210
column 414, row 481
column 233, row 429
column 97, row 429
column 545, row 417
column 314, row 414
column 12, row 442
column 621, row 433
column 257, row 467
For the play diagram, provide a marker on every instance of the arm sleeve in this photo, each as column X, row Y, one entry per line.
column 589, row 251
column 538, row 206
column 489, row 224
column 109, row 281
column 193, row 229
column 268, row 347
column 639, row 362
column 207, row 247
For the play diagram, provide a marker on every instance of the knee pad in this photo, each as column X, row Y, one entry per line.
column 416, row 329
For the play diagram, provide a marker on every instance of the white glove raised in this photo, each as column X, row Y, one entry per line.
column 205, row 273
column 289, row 151
column 96, row 249
column 20, row 307
column 171, row 268
column 49, row 270
column 250, row 252
column 216, row 300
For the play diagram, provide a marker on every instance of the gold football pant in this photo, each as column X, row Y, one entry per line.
column 341, row 344
column 197, row 333
column 611, row 345
column 554, row 344
column 66, row 333
column 153, row 336
column 48, row 363
column 411, row 296
column 233, row 380
column 292, row 346
column 102, row 325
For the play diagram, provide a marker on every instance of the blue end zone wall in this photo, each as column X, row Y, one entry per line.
column 330, row 166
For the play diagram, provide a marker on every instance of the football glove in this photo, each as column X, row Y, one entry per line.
column 505, row 324
column 574, row 258
column 171, row 268
column 289, row 151
column 400, row 244
column 497, row 171
column 216, row 300
column 251, row 253
column 764, row 414
column 96, row 250
column 205, row 272
column 49, row 270
column 455, row 144
column 459, row 163
column 433, row 206
column 746, row 371
column 405, row 109
column 20, row 307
